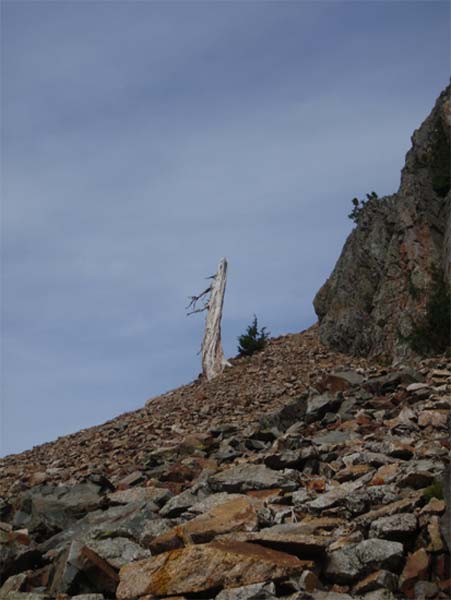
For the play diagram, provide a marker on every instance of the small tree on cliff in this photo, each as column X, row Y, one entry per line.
column 253, row 340
column 358, row 206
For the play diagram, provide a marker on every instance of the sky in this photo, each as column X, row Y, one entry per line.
column 143, row 141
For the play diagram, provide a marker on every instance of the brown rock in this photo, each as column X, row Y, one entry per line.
column 435, row 537
column 375, row 581
column 287, row 537
column 385, row 474
column 352, row 472
column 416, row 568
column 239, row 514
column 436, row 418
column 204, row 567
column 316, row 485
column 434, row 507
column 312, row 524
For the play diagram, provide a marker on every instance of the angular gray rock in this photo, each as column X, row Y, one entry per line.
column 395, row 527
column 352, row 562
column 251, row 477
column 318, row 406
column 118, row 551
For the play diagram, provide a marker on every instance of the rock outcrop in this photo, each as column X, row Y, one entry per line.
column 381, row 282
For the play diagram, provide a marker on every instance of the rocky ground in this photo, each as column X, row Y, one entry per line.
column 299, row 473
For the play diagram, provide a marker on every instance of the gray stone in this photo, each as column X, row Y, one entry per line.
column 395, row 527
column 118, row 551
column 66, row 568
column 351, row 377
column 179, row 504
column 332, row 438
column 288, row 459
column 250, row 477
column 388, row 383
column 374, row 459
column 49, row 509
column 141, row 494
column 153, row 529
column 344, row 565
column 318, row 406
column 256, row 591
column 284, row 417
column 351, row 562
column 380, row 553
column 120, row 521
column 338, row 494
column 300, row 497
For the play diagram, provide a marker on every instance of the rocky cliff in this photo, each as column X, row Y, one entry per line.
column 380, row 286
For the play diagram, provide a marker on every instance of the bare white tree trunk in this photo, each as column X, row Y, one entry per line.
column 213, row 360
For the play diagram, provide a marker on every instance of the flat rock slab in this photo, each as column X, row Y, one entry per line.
column 239, row 514
column 296, row 543
column 212, row 501
column 338, row 494
column 204, row 567
column 250, row 477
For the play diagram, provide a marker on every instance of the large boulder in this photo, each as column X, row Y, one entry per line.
column 206, row 567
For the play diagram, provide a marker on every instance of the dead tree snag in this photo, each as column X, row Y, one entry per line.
column 213, row 360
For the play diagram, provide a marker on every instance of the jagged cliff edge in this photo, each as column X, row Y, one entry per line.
column 379, row 287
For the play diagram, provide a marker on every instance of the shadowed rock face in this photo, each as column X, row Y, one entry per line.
column 380, row 284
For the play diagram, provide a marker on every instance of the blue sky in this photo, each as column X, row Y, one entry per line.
column 143, row 141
